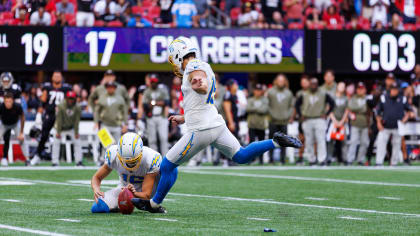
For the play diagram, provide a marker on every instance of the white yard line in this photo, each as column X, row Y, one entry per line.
column 351, row 218
column 296, row 204
column 393, row 168
column 165, row 219
column 85, row 200
column 391, row 198
column 32, row 231
column 316, row 198
column 258, row 219
column 237, row 174
column 10, row 200
column 69, row 220
column 249, row 200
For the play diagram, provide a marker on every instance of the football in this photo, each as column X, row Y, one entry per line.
column 124, row 201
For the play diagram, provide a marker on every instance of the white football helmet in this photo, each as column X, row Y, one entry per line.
column 6, row 79
column 130, row 151
column 177, row 50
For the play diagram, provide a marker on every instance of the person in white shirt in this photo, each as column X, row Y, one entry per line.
column 380, row 11
column 106, row 10
column 40, row 17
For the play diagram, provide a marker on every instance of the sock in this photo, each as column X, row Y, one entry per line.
column 100, row 207
column 168, row 175
column 276, row 145
column 252, row 151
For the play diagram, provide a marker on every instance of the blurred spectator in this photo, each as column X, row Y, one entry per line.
column 176, row 94
column 165, row 11
column 156, row 108
column 294, row 10
column 40, row 17
column 359, row 120
column 354, row 23
column 106, row 10
column 5, row 5
column 230, row 107
column 123, row 11
column 19, row 4
column 409, row 9
column 313, row 18
column 304, row 86
column 311, row 108
column 202, row 12
column 379, row 13
column 33, row 100
column 331, row 17
column 61, row 20
column 392, row 108
column 219, row 96
column 271, row 7
column 110, row 111
column 257, row 109
column 67, row 125
column 337, row 128
column 261, row 24
column 65, row 7
column 277, row 22
column 248, row 16
column 84, row 15
column 230, row 4
column 321, row 5
column 183, row 14
column 35, row 4
column 280, row 102
column 138, row 21
column 396, row 23
column 347, row 9
column 329, row 86
column 84, row 103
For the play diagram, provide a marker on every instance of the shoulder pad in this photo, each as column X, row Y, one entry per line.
column 110, row 155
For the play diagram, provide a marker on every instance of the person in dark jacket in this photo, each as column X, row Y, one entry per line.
column 392, row 108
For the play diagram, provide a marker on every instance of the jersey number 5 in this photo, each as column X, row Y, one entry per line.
column 132, row 179
column 210, row 98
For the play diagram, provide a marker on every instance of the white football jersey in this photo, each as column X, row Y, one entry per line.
column 200, row 111
column 150, row 163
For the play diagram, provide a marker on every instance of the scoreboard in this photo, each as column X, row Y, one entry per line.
column 31, row 48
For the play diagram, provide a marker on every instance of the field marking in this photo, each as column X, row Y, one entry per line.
column 32, row 231
column 392, row 168
column 85, row 200
column 10, row 200
column 316, row 198
column 390, row 198
column 69, row 220
column 256, row 218
column 302, row 178
column 351, row 218
column 103, row 182
column 249, row 200
column 13, row 183
column 296, row 204
column 165, row 219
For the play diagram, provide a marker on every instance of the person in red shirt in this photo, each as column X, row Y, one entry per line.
column 331, row 17
column 294, row 11
column 23, row 18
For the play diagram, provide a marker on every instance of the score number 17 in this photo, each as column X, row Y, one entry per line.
column 92, row 39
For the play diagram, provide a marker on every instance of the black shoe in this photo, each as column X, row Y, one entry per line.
column 144, row 205
column 360, row 163
column 79, row 164
column 54, row 165
column 407, row 162
column 27, row 163
column 286, row 141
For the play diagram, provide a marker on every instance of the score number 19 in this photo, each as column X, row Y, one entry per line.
column 92, row 39
column 38, row 43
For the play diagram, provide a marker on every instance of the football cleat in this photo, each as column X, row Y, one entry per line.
column 4, row 162
column 35, row 160
column 284, row 140
column 144, row 205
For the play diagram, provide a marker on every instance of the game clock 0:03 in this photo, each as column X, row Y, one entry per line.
column 395, row 52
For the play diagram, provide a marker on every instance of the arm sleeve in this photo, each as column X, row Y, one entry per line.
column 380, row 109
column 96, row 113
column 92, row 98
column 298, row 104
column 331, row 104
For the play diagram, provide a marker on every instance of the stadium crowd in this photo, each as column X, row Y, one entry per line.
column 338, row 121
column 260, row 14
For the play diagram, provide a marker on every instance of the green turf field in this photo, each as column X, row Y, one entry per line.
column 216, row 201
